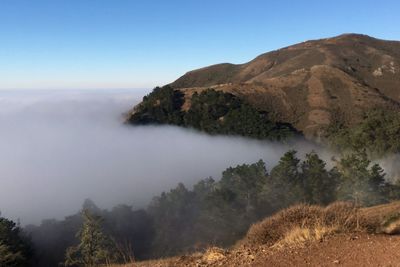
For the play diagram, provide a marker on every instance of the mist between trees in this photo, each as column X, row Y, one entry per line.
column 70, row 147
column 212, row 212
column 58, row 148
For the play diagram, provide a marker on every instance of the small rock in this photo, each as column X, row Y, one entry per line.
column 336, row 261
column 353, row 238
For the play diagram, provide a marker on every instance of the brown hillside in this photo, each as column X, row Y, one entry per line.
column 303, row 235
column 311, row 83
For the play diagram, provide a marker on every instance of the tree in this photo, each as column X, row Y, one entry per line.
column 15, row 249
column 318, row 185
column 211, row 111
column 94, row 248
column 173, row 214
column 246, row 182
column 377, row 133
column 359, row 182
column 378, row 187
column 162, row 105
column 284, row 186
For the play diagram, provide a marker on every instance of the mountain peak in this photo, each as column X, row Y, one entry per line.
column 311, row 84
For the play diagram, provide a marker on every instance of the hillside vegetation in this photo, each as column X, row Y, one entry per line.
column 309, row 86
column 220, row 212
column 342, row 91
column 210, row 111
column 308, row 235
column 377, row 134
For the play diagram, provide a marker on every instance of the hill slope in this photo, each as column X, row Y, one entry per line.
column 311, row 84
column 343, row 236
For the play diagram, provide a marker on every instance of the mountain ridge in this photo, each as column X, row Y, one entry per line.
column 310, row 84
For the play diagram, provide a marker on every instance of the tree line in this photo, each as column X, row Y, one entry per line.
column 377, row 133
column 212, row 212
column 210, row 111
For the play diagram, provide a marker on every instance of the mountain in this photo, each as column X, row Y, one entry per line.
column 308, row 86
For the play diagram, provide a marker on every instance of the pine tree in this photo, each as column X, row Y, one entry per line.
column 378, row 187
column 284, row 186
column 360, row 182
column 318, row 184
column 246, row 182
column 94, row 248
column 15, row 249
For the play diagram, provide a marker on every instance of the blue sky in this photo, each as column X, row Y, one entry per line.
column 144, row 43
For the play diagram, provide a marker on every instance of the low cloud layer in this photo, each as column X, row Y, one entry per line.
column 59, row 147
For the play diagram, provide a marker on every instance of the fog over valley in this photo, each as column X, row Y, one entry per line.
column 60, row 147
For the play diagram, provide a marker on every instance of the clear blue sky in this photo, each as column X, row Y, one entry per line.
column 144, row 43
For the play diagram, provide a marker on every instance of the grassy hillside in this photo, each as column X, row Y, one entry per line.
column 306, row 235
column 308, row 85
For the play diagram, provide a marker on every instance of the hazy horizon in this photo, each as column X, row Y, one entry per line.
column 142, row 44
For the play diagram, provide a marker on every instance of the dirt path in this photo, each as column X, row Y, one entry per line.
column 349, row 247
column 341, row 250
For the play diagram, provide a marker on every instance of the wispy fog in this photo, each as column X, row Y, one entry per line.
column 59, row 147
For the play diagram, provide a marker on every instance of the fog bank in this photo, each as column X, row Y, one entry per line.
column 59, row 147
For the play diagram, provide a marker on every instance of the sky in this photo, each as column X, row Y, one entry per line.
column 87, row 44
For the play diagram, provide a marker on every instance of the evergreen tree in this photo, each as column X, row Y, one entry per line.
column 15, row 249
column 94, row 246
column 246, row 182
column 378, row 187
column 359, row 182
column 377, row 133
column 318, row 185
column 211, row 111
column 284, row 186
column 173, row 214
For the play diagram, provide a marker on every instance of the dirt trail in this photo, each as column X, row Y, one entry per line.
column 341, row 250
column 348, row 247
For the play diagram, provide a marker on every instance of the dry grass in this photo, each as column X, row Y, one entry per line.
column 293, row 227
column 306, row 223
column 299, row 236
column 213, row 255
column 391, row 224
column 381, row 212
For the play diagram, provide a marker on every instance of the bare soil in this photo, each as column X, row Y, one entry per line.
column 350, row 246
column 338, row 250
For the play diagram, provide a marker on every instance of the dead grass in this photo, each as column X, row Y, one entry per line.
column 299, row 236
column 293, row 227
column 213, row 255
column 391, row 224
column 381, row 212
column 303, row 223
